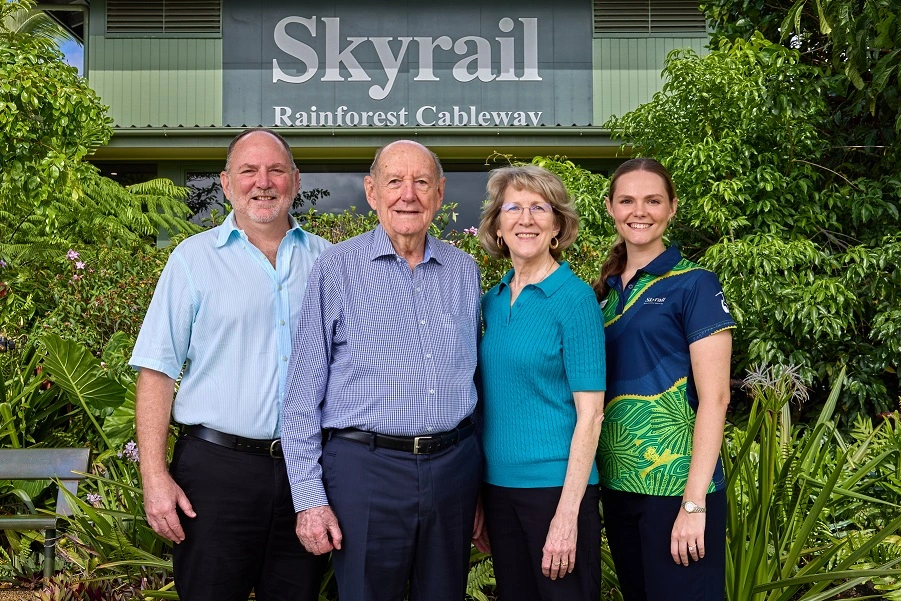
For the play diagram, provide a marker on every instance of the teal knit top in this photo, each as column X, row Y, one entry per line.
column 532, row 357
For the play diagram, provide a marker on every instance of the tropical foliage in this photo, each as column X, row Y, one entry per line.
column 812, row 512
column 807, row 253
column 50, row 197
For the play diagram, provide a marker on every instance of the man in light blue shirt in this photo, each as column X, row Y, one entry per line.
column 221, row 318
column 383, row 369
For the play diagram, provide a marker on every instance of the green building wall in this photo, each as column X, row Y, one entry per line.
column 627, row 71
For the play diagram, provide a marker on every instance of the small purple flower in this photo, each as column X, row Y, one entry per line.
column 79, row 264
column 71, row 255
column 76, row 277
column 130, row 452
column 94, row 499
column 2, row 263
column 472, row 231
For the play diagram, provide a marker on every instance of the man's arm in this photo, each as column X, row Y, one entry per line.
column 153, row 406
column 317, row 526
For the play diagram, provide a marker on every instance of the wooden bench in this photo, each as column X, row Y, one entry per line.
column 43, row 464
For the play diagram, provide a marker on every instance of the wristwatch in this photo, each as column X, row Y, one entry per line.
column 692, row 507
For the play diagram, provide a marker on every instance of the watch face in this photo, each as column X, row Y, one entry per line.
column 690, row 506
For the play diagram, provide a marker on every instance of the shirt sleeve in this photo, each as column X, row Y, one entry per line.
column 705, row 311
column 305, row 388
column 584, row 357
column 165, row 335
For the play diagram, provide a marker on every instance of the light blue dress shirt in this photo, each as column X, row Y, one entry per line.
column 222, row 317
column 380, row 347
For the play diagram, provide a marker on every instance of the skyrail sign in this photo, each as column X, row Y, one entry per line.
column 389, row 64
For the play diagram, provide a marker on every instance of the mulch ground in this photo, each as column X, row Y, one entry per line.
column 17, row 595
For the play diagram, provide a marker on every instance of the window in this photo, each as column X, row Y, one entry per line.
column 666, row 17
column 163, row 16
column 332, row 191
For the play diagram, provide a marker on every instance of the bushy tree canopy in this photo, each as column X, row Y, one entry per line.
column 50, row 197
column 807, row 250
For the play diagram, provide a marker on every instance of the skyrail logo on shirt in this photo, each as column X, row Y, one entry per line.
column 723, row 301
column 654, row 300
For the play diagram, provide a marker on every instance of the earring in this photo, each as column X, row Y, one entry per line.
column 554, row 243
column 500, row 242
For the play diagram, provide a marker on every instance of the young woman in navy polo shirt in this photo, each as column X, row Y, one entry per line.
column 669, row 344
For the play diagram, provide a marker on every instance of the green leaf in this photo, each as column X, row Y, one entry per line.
column 79, row 374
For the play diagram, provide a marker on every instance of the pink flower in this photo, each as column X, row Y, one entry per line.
column 472, row 231
column 71, row 255
column 76, row 277
column 79, row 264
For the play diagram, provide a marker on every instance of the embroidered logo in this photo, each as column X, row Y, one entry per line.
column 654, row 300
column 723, row 301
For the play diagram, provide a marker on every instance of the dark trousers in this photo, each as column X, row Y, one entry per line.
column 639, row 529
column 243, row 536
column 518, row 520
column 405, row 519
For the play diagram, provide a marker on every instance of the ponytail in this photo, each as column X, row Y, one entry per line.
column 614, row 265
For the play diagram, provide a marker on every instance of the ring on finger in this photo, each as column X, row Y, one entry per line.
column 691, row 549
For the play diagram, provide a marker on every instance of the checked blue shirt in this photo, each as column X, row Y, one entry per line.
column 380, row 347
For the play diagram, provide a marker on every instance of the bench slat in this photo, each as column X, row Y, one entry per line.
column 27, row 522
column 41, row 464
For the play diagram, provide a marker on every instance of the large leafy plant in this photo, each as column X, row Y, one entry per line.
column 808, row 255
column 808, row 518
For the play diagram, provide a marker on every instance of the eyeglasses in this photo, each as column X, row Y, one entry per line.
column 538, row 211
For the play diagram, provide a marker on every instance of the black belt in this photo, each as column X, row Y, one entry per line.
column 258, row 446
column 418, row 445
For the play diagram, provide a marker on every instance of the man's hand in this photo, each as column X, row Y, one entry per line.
column 161, row 496
column 318, row 530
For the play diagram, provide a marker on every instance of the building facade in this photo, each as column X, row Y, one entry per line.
column 471, row 79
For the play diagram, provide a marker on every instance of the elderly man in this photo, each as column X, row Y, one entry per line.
column 222, row 316
column 378, row 435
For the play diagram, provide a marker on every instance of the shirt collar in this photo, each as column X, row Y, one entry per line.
column 382, row 247
column 548, row 285
column 229, row 231
column 662, row 263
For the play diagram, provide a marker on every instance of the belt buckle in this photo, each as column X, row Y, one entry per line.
column 275, row 449
column 416, row 440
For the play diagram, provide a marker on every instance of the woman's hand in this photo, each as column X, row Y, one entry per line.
column 687, row 538
column 559, row 552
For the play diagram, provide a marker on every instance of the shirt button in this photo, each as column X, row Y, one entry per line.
column 428, row 355
column 630, row 286
column 283, row 322
column 279, row 286
column 418, row 289
column 422, row 322
column 284, row 358
column 428, row 429
column 431, row 391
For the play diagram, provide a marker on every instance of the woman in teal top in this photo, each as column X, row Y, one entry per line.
column 668, row 337
column 541, row 361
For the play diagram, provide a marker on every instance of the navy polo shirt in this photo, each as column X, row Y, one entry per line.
column 652, row 401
